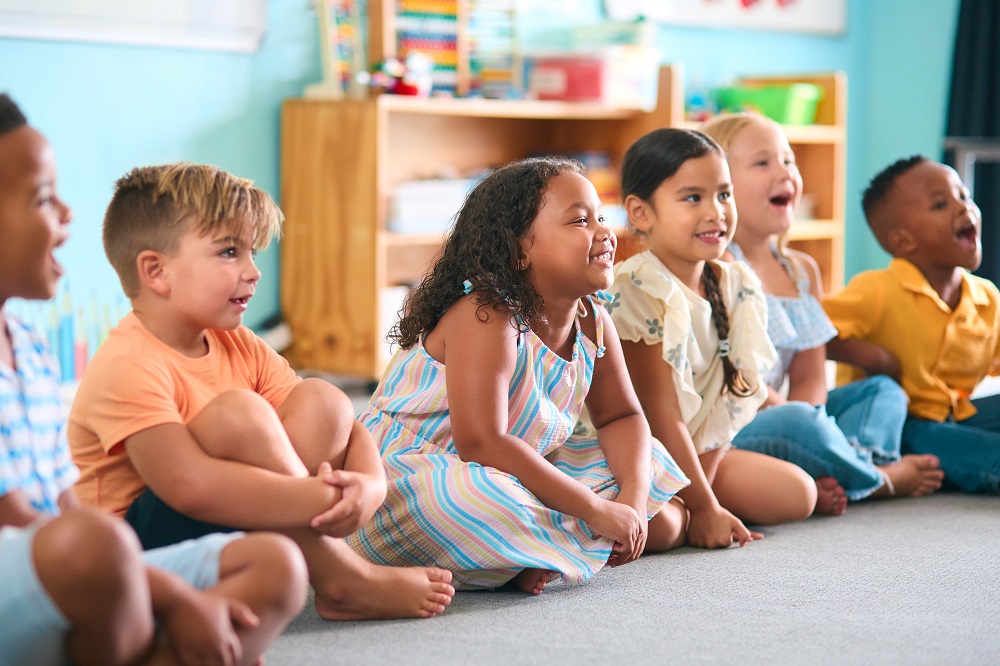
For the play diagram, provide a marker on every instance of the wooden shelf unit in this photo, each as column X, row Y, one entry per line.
column 340, row 160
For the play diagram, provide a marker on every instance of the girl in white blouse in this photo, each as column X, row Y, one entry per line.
column 694, row 333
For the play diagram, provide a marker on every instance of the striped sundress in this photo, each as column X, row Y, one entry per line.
column 478, row 522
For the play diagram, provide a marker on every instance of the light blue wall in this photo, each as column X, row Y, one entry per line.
column 109, row 108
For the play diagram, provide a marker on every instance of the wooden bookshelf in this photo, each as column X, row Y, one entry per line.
column 340, row 160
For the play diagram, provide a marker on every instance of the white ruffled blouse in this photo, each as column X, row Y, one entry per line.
column 648, row 304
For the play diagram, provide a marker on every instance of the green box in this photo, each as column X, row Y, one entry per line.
column 792, row 104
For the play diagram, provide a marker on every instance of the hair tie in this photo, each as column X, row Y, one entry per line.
column 467, row 286
column 724, row 347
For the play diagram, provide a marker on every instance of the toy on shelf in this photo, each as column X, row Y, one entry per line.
column 412, row 76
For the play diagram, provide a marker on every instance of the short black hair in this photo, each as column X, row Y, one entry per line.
column 10, row 115
column 883, row 181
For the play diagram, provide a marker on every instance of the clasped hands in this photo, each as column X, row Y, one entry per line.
column 360, row 497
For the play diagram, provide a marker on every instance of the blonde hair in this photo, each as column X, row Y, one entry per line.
column 724, row 129
column 154, row 206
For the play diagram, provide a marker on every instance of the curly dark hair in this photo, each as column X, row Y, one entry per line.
column 483, row 248
column 10, row 115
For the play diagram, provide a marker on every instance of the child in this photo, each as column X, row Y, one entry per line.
column 187, row 423
column 76, row 586
column 675, row 306
column 926, row 320
column 501, row 347
column 851, row 447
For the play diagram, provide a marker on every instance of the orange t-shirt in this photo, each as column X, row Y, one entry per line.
column 135, row 382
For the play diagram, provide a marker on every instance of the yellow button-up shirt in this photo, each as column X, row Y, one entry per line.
column 943, row 354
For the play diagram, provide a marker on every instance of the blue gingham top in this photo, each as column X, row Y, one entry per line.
column 794, row 323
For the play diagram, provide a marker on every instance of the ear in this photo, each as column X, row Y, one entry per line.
column 901, row 242
column 638, row 213
column 523, row 258
column 152, row 269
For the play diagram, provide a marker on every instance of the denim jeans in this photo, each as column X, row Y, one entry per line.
column 859, row 428
column 969, row 450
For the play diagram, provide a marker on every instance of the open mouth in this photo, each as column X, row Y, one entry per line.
column 715, row 234
column 607, row 255
column 243, row 300
column 781, row 201
column 967, row 234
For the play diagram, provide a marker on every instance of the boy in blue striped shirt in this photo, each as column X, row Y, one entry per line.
column 76, row 585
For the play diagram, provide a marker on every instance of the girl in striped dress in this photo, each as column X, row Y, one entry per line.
column 478, row 416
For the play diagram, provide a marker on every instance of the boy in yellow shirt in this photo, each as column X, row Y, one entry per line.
column 926, row 321
column 186, row 423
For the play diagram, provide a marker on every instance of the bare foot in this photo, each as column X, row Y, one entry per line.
column 911, row 476
column 380, row 593
column 533, row 581
column 830, row 497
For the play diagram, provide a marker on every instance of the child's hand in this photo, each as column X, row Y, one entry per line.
column 201, row 628
column 361, row 498
column 621, row 523
column 714, row 527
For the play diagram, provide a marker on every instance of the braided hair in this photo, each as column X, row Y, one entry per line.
column 650, row 161
column 735, row 382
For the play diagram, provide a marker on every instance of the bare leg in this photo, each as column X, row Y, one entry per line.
column 668, row 528
column 241, row 426
column 91, row 567
column 911, row 476
column 763, row 490
column 265, row 571
column 830, row 497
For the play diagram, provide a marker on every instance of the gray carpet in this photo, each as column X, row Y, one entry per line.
column 909, row 581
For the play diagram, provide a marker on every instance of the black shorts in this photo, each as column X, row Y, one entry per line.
column 159, row 525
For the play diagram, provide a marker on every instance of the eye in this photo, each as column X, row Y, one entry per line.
column 600, row 219
column 725, row 196
column 693, row 198
column 760, row 163
column 938, row 205
column 229, row 252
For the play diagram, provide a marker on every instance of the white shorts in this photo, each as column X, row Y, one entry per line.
column 32, row 627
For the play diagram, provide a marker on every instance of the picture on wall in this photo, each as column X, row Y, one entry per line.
column 824, row 16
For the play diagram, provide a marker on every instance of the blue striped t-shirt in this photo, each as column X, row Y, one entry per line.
column 34, row 453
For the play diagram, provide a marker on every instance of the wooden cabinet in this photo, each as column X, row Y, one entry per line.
column 340, row 160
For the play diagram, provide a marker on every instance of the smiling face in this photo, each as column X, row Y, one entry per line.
column 766, row 181
column 691, row 217
column 33, row 220
column 569, row 251
column 211, row 279
column 934, row 222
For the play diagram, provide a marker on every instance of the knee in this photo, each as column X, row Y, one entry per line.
column 279, row 571
column 92, row 552
column 239, row 413
column 323, row 399
column 801, row 495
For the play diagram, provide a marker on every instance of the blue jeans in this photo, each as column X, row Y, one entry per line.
column 969, row 450
column 859, row 428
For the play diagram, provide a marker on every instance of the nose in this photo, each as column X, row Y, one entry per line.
column 65, row 213
column 605, row 232
column 250, row 271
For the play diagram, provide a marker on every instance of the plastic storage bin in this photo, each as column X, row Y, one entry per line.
column 618, row 76
column 792, row 104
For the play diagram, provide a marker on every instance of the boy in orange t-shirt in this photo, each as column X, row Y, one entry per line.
column 186, row 422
